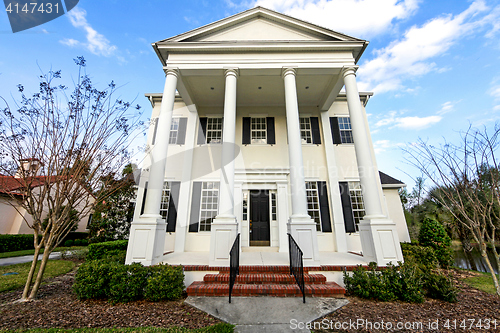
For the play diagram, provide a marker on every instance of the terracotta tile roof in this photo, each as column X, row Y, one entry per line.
column 11, row 185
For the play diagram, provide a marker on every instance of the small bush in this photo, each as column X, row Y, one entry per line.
column 433, row 234
column 9, row 243
column 92, row 279
column 164, row 283
column 440, row 286
column 69, row 243
column 127, row 282
column 422, row 255
column 107, row 249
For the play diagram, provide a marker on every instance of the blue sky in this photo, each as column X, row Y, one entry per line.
column 433, row 65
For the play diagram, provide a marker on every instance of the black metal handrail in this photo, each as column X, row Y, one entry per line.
column 297, row 264
column 234, row 264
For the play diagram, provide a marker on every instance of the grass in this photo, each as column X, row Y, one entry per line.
column 11, row 282
column 32, row 251
column 481, row 281
column 217, row 328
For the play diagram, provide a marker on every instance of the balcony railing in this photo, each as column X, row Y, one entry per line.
column 296, row 264
column 234, row 264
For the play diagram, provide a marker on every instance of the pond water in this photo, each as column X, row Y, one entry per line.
column 462, row 261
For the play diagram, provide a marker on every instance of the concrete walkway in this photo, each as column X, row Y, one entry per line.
column 23, row 259
column 267, row 314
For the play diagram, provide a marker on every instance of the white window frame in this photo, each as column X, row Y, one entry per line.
column 357, row 203
column 212, row 136
column 313, row 208
column 174, row 131
column 306, row 130
column 209, row 207
column 345, row 130
column 274, row 208
column 257, row 129
column 165, row 200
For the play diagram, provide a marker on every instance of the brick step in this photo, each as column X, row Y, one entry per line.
column 261, row 269
column 264, row 278
column 329, row 289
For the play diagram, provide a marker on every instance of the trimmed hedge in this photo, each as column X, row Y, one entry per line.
column 107, row 249
column 117, row 282
column 9, row 243
column 433, row 234
column 422, row 255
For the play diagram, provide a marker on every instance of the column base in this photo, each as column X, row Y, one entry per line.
column 380, row 240
column 223, row 233
column 147, row 240
column 303, row 230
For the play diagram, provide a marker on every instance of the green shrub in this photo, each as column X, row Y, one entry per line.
column 440, row 286
column 107, row 249
column 164, row 283
column 433, row 234
column 92, row 279
column 422, row 255
column 9, row 243
column 127, row 282
column 69, row 243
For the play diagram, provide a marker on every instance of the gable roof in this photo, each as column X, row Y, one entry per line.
column 312, row 35
column 389, row 181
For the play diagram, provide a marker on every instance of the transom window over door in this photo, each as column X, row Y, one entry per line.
column 258, row 130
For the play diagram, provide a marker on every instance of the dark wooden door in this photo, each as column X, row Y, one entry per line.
column 259, row 218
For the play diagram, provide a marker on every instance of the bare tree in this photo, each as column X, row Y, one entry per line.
column 467, row 183
column 57, row 152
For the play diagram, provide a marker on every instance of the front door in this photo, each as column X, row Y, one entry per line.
column 259, row 218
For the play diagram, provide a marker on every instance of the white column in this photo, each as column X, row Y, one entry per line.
column 224, row 227
column 378, row 234
column 300, row 224
column 147, row 234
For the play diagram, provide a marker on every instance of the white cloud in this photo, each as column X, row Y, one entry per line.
column 495, row 92
column 409, row 122
column 496, row 108
column 411, row 55
column 96, row 43
column 447, row 107
column 382, row 145
column 359, row 18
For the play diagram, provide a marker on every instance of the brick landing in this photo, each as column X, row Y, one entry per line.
column 264, row 281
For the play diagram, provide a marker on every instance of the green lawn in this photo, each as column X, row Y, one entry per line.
column 218, row 328
column 482, row 281
column 11, row 282
column 32, row 252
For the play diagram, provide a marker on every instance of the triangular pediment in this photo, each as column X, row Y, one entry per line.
column 259, row 24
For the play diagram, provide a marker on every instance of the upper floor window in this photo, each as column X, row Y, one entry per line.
column 309, row 130
column 341, row 130
column 210, row 130
column 177, row 131
column 174, row 131
column 258, row 132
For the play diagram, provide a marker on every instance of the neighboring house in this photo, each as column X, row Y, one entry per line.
column 253, row 135
column 13, row 218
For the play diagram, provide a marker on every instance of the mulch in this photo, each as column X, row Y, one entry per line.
column 58, row 306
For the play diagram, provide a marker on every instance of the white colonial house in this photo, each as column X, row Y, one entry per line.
column 253, row 134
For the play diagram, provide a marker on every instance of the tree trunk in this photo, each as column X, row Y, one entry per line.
column 497, row 259
column 39, row 276
column 31, row 273
column 484, row 254
column 470, row 259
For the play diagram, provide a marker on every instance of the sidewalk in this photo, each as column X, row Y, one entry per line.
column 267, row 314
column 23, row 259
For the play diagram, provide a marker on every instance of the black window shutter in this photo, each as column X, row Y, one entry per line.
column 144, row 197
column 271, row 138
column 326, row 225
column 334, row 125
column 181, row 133
column 194, row 221
column 246, row 131
column 155, row 130
column 202, row 131
column 316, row 135
column 172, row 206
column 346, row 207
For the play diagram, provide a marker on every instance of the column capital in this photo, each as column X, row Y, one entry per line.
column 349, row 70
column 288, row 71
column 172, row 71
column 232, row 71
